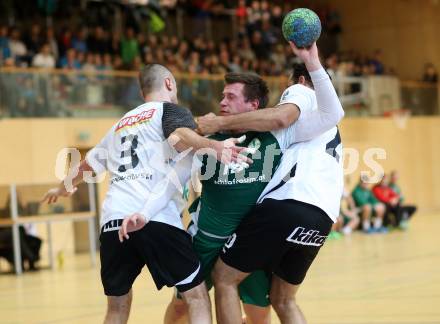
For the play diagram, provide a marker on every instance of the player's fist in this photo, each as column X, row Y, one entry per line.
column 208, row 124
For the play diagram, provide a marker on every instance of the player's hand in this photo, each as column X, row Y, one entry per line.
column 228, row 151
column 308, row 55
column 52, row 195
column 132, row 223
column 208, row 124
column 394, row 201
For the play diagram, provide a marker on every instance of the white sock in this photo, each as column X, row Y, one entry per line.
column 377, row 222
column 347, row 230
column 366, row 225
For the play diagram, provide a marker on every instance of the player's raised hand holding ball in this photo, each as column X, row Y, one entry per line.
column 302, row 28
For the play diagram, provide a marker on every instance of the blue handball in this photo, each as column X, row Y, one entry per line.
column 302, row 26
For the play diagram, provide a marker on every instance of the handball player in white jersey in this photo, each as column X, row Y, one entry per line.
column 295, row 212
column 137, row 156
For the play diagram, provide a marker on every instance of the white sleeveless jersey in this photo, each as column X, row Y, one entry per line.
column 137, row 157
column 311, row 171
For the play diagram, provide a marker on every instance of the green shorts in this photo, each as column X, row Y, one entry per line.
column 253, row 290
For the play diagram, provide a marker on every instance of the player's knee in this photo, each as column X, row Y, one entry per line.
column 380, row 209
column 282, row 304
column 366, row 209
column 118, row 304
column 218, row 275
column 196, row 295
column 179, row 308
column 257, row 314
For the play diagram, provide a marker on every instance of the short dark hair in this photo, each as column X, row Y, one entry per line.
column 151, row 77
column 255, row 88
column 299, row 69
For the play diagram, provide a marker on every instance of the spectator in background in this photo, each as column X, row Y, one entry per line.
column 369, row 207
column 430, row 74
column 408, row 210
column 64, row 42
column 34, row 40
column 277, row 16
column 30, row 245
column 348, row 219
column 17, row 47
column 44, row 59
column 107, row 63
column 254, row 16
column 114, row 44
column 79, row 42
column 377, row 63
column 241, row 12
column 349, row 216
column 387, row 196
column 70, row 61
column 331, row 65
column 5, row 52
column 89, row 65
column 129, row 47
column 97, row 42
column 53, row 44
column 260, row 49
column 9, row 62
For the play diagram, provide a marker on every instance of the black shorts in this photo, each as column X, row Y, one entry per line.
column 280, row 236
column 166, row 251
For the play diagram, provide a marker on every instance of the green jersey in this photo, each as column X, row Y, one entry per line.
column 363, row 197
column 227, row 196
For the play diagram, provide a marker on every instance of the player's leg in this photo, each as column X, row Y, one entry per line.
column 366, row 217
column 249, row 249
column 309, row 227
column 207, row 250
column 352, row 221
column 254, row 294
column 227, row 299
column 170, row 257
column 118, row 309
column 290, row 273
column 177, row 311
column 379, row 211
column 198, row 304
column 282, row 296
column 120, row 266
column 256, row 314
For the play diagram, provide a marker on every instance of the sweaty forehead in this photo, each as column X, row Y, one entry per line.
column 234, row 88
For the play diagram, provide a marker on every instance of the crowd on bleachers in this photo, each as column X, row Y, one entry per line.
column 257, row 47
column 374, row 209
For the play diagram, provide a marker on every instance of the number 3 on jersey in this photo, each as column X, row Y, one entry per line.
column 129, row 144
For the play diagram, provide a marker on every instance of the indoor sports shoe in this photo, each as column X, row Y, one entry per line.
column 369, row 231
column 403, row 225
column 334, row 235
column 382, row 230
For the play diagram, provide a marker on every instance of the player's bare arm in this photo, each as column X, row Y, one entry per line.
column 262, row 120
column 61, row 191
column 328, row 113
column 226, row 151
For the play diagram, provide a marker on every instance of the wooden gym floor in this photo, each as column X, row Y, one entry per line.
column 392, row 278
